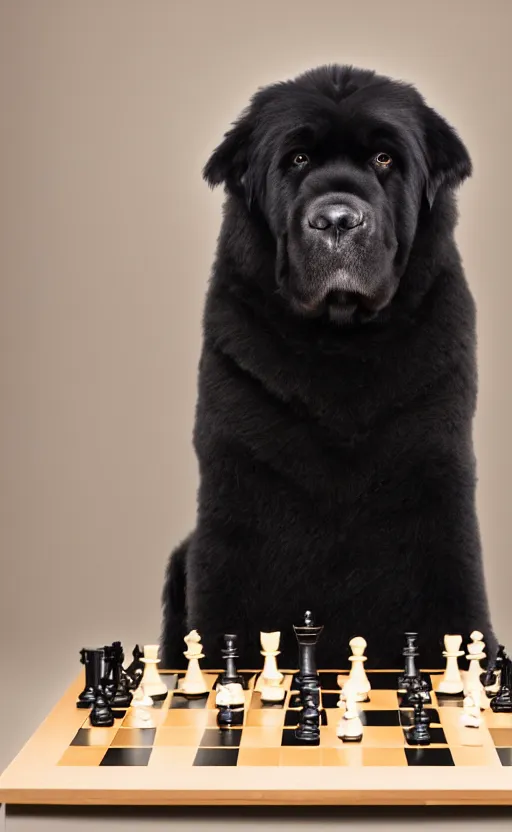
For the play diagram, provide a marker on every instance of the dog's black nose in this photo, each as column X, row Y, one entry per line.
column 337, row 214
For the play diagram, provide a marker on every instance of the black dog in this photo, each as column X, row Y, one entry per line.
column 337, row 383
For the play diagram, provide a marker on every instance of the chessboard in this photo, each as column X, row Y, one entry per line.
column 183, row 759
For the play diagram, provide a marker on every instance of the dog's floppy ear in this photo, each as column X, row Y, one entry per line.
column 229, row 162
column 447, row 157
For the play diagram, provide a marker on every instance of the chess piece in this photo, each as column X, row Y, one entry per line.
column 419, row 733
column 412, row 693
column 307, row 635
column 451, row 681
column 193, row 683
column 350, row 727
column 270, row 676
column 308, row 729
column 229, row 654
column 120, row 696
column 139, row 714
column 230, row 701
column 491, row 679
column 470, row 716
column 472, row 677
column 357, row 677
column 135, row 670
column 270, row 694
column 101, row 714
column 502, row 702
column 230, row 694
column 411, row 672
column 153, row 684
column 93, row 660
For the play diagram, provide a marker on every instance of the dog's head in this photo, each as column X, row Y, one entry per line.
column 340, row 162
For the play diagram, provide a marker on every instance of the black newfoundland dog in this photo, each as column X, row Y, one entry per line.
column 337, row 383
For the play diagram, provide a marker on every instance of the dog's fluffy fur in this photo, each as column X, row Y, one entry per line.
column 337, row 471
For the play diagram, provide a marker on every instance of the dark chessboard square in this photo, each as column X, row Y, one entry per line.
column 429, row 757
column 437, row 736
column 505, row 755
column 383, row 681
column 179, row 700
column 329, row 681
column 82, row 737
column 289, row 738
column 216, row 757
column 380, row 718
column 407, row 717
column 292, row 717
column 159, row 697
column 330, row 700
column 221, row 738
column 126, row 757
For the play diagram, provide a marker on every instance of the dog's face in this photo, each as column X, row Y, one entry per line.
column 340, row 163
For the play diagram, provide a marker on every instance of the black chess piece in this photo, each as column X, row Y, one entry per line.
column 229, row 716
column 308, row 729
column 229, row 654
column 93, row 659
column 121, row 697
column 419, row 733
column 413, row 693
column 502, row 702
column 135, row 670
column 101, row 714
column 307, row 635
column 490, row 675
column 411, row 674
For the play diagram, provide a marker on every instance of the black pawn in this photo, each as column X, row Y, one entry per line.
column 229, row 654
column 101, row 714
column 419, row 733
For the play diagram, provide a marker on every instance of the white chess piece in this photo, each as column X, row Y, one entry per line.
column 271, row 693
column 451, row 681
column 231, row 694
column 470, row 716
column 193, row 683
column 151, row 681
column 141, row 698
column 270, row 676
column 357, row 674
column 350, row 727
column 139, row 715
column 472, row 677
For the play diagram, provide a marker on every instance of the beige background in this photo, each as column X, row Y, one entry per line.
column 108, row 110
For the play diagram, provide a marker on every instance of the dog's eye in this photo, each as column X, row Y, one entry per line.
column 382, row 160
column 300, row 160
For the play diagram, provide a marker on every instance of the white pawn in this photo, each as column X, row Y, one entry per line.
column 141, row 698
column 230, row 694
column 193, row 683
column 472, row 679
column 151, row 681
column 270, row 676
column 357, row 674
column 451, row 681
column 350, row 727
column 470, row 716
